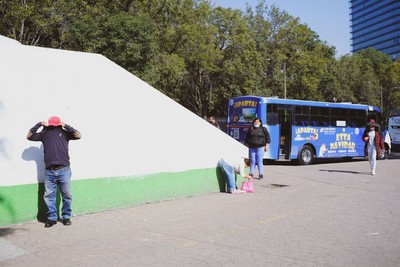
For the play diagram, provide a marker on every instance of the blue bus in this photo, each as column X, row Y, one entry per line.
column 303, row 130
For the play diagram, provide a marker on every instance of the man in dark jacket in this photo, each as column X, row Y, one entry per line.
column 55, row 137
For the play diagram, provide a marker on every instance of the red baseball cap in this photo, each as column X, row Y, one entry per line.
column 54, row 121
column 373, row 123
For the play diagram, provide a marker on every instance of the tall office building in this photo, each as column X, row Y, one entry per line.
column 376, row 24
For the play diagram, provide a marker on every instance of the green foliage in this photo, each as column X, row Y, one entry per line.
column 201, row 55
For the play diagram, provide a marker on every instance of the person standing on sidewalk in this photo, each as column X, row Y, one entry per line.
column 55, row 137
column 230, row 170
column 374, row 145
column 257, row 140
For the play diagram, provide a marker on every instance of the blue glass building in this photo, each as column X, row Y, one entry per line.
column 376, row 24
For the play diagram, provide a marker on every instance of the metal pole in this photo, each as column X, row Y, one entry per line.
column 381, row 99
column 284, row 80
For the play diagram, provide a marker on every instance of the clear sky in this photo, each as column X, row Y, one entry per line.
column 328, row 18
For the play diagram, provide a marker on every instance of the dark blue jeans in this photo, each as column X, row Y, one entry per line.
column 53, row 179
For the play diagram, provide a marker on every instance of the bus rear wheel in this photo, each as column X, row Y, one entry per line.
column 306, row 155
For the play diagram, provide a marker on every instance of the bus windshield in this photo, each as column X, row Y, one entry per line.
column 243, row 112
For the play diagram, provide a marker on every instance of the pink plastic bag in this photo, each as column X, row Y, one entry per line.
column 248, row 187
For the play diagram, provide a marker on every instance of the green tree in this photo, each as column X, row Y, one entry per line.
column 292, row 53
column 40, row 22
column 201, row 55
column 391, row 89
column 167, row 69
column 241, row 64
column 380, row 80
column 336, row 84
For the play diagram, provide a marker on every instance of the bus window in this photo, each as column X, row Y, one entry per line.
column 339, row 117
column 357, row 118
column 319, row 116
column 302, row 115
column 272, row 114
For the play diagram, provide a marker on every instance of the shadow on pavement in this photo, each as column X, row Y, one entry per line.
column 342, row 171
column 6, row 231
column 316, row 161
column 393, row 155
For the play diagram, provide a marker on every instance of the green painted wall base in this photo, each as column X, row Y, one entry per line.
column 24, row 203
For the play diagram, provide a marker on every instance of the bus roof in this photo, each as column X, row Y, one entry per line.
column 296, row 102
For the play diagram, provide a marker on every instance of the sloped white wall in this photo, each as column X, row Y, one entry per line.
column 8, row 41
column 128, row 127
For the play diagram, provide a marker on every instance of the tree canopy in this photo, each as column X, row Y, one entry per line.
column 201, row 55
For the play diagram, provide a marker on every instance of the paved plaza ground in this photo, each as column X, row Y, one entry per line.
column 326, row 214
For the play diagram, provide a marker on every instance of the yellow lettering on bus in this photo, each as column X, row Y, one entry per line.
column 245, row 103
column 342, row 144
column 306, row 130
column 343, row 137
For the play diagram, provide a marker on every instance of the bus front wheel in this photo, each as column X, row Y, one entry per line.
column 306, row 155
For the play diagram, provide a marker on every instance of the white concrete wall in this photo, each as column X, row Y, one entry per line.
column 128, row 127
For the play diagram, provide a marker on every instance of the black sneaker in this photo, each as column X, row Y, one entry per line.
column 49, row 224
column 66, row 222
column 261, row 176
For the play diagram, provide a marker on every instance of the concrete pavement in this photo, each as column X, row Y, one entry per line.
column 327, row 214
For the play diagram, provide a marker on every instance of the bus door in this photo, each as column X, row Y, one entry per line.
column 285, row 140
